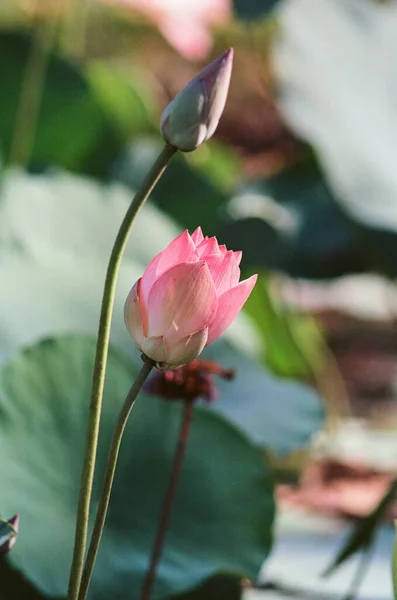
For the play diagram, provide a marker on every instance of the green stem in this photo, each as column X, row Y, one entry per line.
column 168, row 503
column 31, row 94
column 109, row 476
column 100, row 366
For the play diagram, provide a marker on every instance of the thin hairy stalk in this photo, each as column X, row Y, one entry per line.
column 31, row 94
column 100, row 367
column 109, row 476
column 162, row 528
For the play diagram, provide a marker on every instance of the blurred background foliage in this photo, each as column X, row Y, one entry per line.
column 83, row 87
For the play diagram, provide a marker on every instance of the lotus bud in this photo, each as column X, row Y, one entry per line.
column 193, row 115
column 188, row 296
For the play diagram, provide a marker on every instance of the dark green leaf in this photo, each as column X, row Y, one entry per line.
column 126, row 102
column 287, row 352
column 73, row 130
column 218, row 163
column 220, row 587
column 291, row 222
column 13, row 586
column 253, row 9
column 222, row 519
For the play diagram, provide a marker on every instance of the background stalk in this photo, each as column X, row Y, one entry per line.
column 162, row 528
column 31, row 94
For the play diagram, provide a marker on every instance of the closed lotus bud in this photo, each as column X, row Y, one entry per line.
column 188, row 296
column 193, row 115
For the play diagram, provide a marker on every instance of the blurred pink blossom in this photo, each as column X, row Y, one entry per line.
column 184, row 23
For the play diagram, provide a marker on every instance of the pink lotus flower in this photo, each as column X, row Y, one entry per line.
column 188, row 296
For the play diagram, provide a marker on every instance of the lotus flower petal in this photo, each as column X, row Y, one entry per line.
column 187, row 348
column 154, row 347
column 229, row 305
column 197, row 236
column 238, row 256
column 182, row 301
column 207, row 247
column 181, row 249
column 133, row 316
column 224, row 271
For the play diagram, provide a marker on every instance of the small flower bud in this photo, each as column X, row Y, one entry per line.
column 193, row 115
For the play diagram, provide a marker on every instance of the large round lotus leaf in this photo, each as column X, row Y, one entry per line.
column 56, row 237
column 223, row 586
column 14, row 586
column 275, row 413
column 351, row 127
column 223, row 515
column 220, row 587
column 350, row 120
